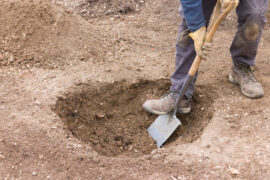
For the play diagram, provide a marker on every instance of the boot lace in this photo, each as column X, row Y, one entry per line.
column 168, row 94
column 247, row 73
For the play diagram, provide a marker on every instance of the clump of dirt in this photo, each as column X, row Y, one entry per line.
column 111, row 118
column 39, row 34
column 98, row 8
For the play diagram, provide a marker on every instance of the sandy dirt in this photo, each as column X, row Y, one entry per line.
column 74, row 75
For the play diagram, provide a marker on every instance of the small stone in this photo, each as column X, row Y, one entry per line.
column 127, row 141
column 119, row 143
column 11, row 59
column 1, row 156
column 74, row 113
column 234, row 171
column 117, row 138
column 37, row 102
column 96, row 160
column 125, row 8
column 100, row 116
column 154, row 152
column 109, row 115
column 174, row 177
column 34, row 173
column 165, row 162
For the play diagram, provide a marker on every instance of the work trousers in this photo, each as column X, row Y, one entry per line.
column 251, row 20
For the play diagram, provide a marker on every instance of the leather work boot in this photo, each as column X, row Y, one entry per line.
column 166, row 104
column 243, row 76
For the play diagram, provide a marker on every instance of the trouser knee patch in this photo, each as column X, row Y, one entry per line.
column 252, row 28
column 249, row 32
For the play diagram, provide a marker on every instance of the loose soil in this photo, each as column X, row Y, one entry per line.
column 114, row 123
column 74, row 75
column 99, row 8
column 37, row 34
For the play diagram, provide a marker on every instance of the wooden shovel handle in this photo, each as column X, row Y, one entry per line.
column 209, row 38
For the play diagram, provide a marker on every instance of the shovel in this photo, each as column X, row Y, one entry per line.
column 164, row 125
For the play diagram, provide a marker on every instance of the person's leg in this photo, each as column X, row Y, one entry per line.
column 251, row 21
column 185, row 53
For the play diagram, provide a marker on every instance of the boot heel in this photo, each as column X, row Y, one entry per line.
column 231, row 78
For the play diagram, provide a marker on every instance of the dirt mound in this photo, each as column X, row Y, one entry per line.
column 98, row 8
column 114, row 122
column 36, row 33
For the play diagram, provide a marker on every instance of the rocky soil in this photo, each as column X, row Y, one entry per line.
column 74, row 75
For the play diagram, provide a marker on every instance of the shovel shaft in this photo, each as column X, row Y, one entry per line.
column 209, row 38
column 197, row 61
column 181, row 94
column 163, row 127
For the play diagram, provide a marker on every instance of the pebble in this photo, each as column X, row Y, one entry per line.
column 109, row 115
column 95, row 160
column 100, row 116
column 234, row 171
column 154, row 152
column 1, row 156
column 11, row 59
column 34, row 173
column 125, row 8
column 37, row 102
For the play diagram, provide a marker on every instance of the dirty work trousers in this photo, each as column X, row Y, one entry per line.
column 251, row 20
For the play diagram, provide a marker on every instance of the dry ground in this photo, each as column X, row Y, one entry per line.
column 72, row 81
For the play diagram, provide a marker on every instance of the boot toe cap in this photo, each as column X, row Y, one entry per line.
column 253, row 91
column 151, row 107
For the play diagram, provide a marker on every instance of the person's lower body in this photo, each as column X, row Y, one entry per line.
column 251, row 20
column 243, row 50
column 185, row 54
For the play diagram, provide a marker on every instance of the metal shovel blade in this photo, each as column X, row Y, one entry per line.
column 163, row 127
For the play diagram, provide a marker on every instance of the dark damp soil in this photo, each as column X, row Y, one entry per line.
column 110, row 117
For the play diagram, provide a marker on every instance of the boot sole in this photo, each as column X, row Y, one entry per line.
column 231, row 78
column 179, row 110
column 153, row 111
